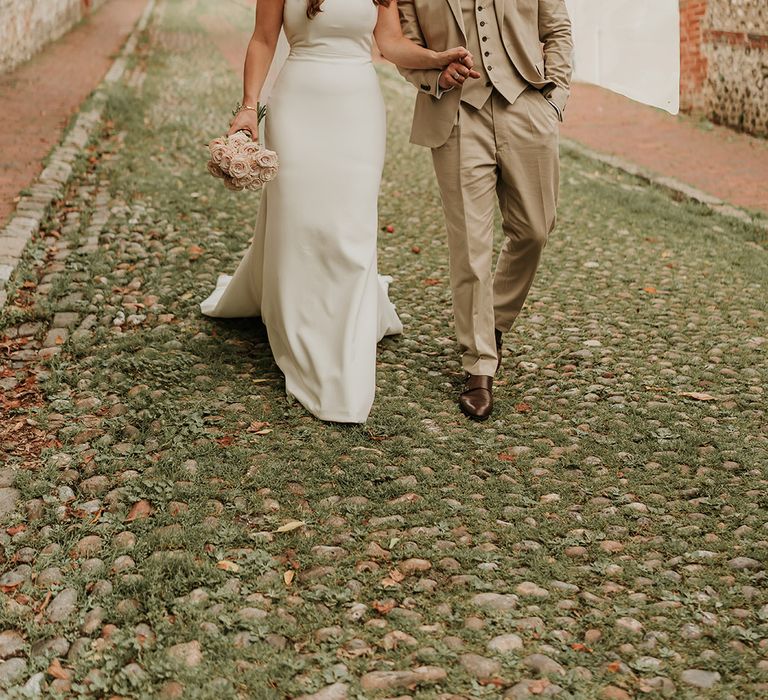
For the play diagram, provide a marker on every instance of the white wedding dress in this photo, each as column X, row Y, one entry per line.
column 311, row 271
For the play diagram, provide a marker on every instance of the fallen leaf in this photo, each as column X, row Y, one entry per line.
column 523, row 407
column 650, row 290
column 416, row 249
column 507, row 457
column 578, row 646
column 57, row 671
column 291, row 525
column 288, row 577
column 614, row 666
column 431, row 282
column 226, row 565
column 396, row 575
column 16, row 529
column 43, row 606
column 257, row 427
column 383, row 607
column 698, row 396
column 140, row 509
column 195, row 251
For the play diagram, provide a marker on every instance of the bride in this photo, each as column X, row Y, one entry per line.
column 310, row 272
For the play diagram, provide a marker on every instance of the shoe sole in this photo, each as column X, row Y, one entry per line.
column 472, row 416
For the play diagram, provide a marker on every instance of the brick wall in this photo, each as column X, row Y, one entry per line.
column 28, row 25
column 724, row 61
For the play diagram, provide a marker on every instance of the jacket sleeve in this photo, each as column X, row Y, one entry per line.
column 426, row 81
column 555, row 34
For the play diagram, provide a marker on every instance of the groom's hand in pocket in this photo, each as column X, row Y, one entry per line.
column 456, row 74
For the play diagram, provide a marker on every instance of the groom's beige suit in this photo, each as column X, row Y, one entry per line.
column 494, row 138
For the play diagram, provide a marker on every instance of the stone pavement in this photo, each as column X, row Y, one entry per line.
column 719, row 161
column 172, row 527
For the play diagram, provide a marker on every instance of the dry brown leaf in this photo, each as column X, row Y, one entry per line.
column 140, row 509
column 195, row 251
column 288, row 577
column 383, row 607
column 291, row 525
column 226, row 565
column 698, row 396
column 396, row 575
column 57, row 671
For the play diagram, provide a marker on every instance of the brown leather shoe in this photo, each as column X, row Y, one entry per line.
column 499, row 348
column 476, row 401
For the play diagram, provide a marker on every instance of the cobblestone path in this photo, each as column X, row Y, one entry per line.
column 172, row 528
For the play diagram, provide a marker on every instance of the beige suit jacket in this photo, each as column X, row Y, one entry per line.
column 536, row 35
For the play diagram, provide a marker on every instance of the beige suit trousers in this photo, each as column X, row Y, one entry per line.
column 505, row 152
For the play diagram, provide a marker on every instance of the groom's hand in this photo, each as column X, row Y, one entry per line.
column 455, row 75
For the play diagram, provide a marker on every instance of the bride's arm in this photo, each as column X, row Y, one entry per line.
column 404, row 53
column 261, row 51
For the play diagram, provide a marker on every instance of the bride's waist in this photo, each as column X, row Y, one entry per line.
column 322, row 56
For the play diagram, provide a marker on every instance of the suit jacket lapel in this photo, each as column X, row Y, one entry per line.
column 458, row 14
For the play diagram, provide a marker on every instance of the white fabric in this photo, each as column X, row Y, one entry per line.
column 310, row 272
column 629, row 46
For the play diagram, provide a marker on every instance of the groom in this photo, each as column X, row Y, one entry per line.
column 493, row 132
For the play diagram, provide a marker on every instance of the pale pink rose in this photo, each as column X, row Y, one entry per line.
column 232, row 184
column 226, row 161
column 250, row 149
column 239, row 167
column 268, row 174
column 257, row 181
column 215, row 170
column 239, row 138
column 218, row 148
column 267, row 159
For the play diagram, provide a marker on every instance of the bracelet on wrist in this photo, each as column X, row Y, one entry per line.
column 260, row 109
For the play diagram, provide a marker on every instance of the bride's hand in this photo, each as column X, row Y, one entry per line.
column 456, row 55
column 245, row 120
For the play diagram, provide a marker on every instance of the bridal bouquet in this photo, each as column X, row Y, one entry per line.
column 241, row 162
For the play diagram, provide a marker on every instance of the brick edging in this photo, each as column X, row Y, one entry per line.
column 32, row 208
column 677, row 189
